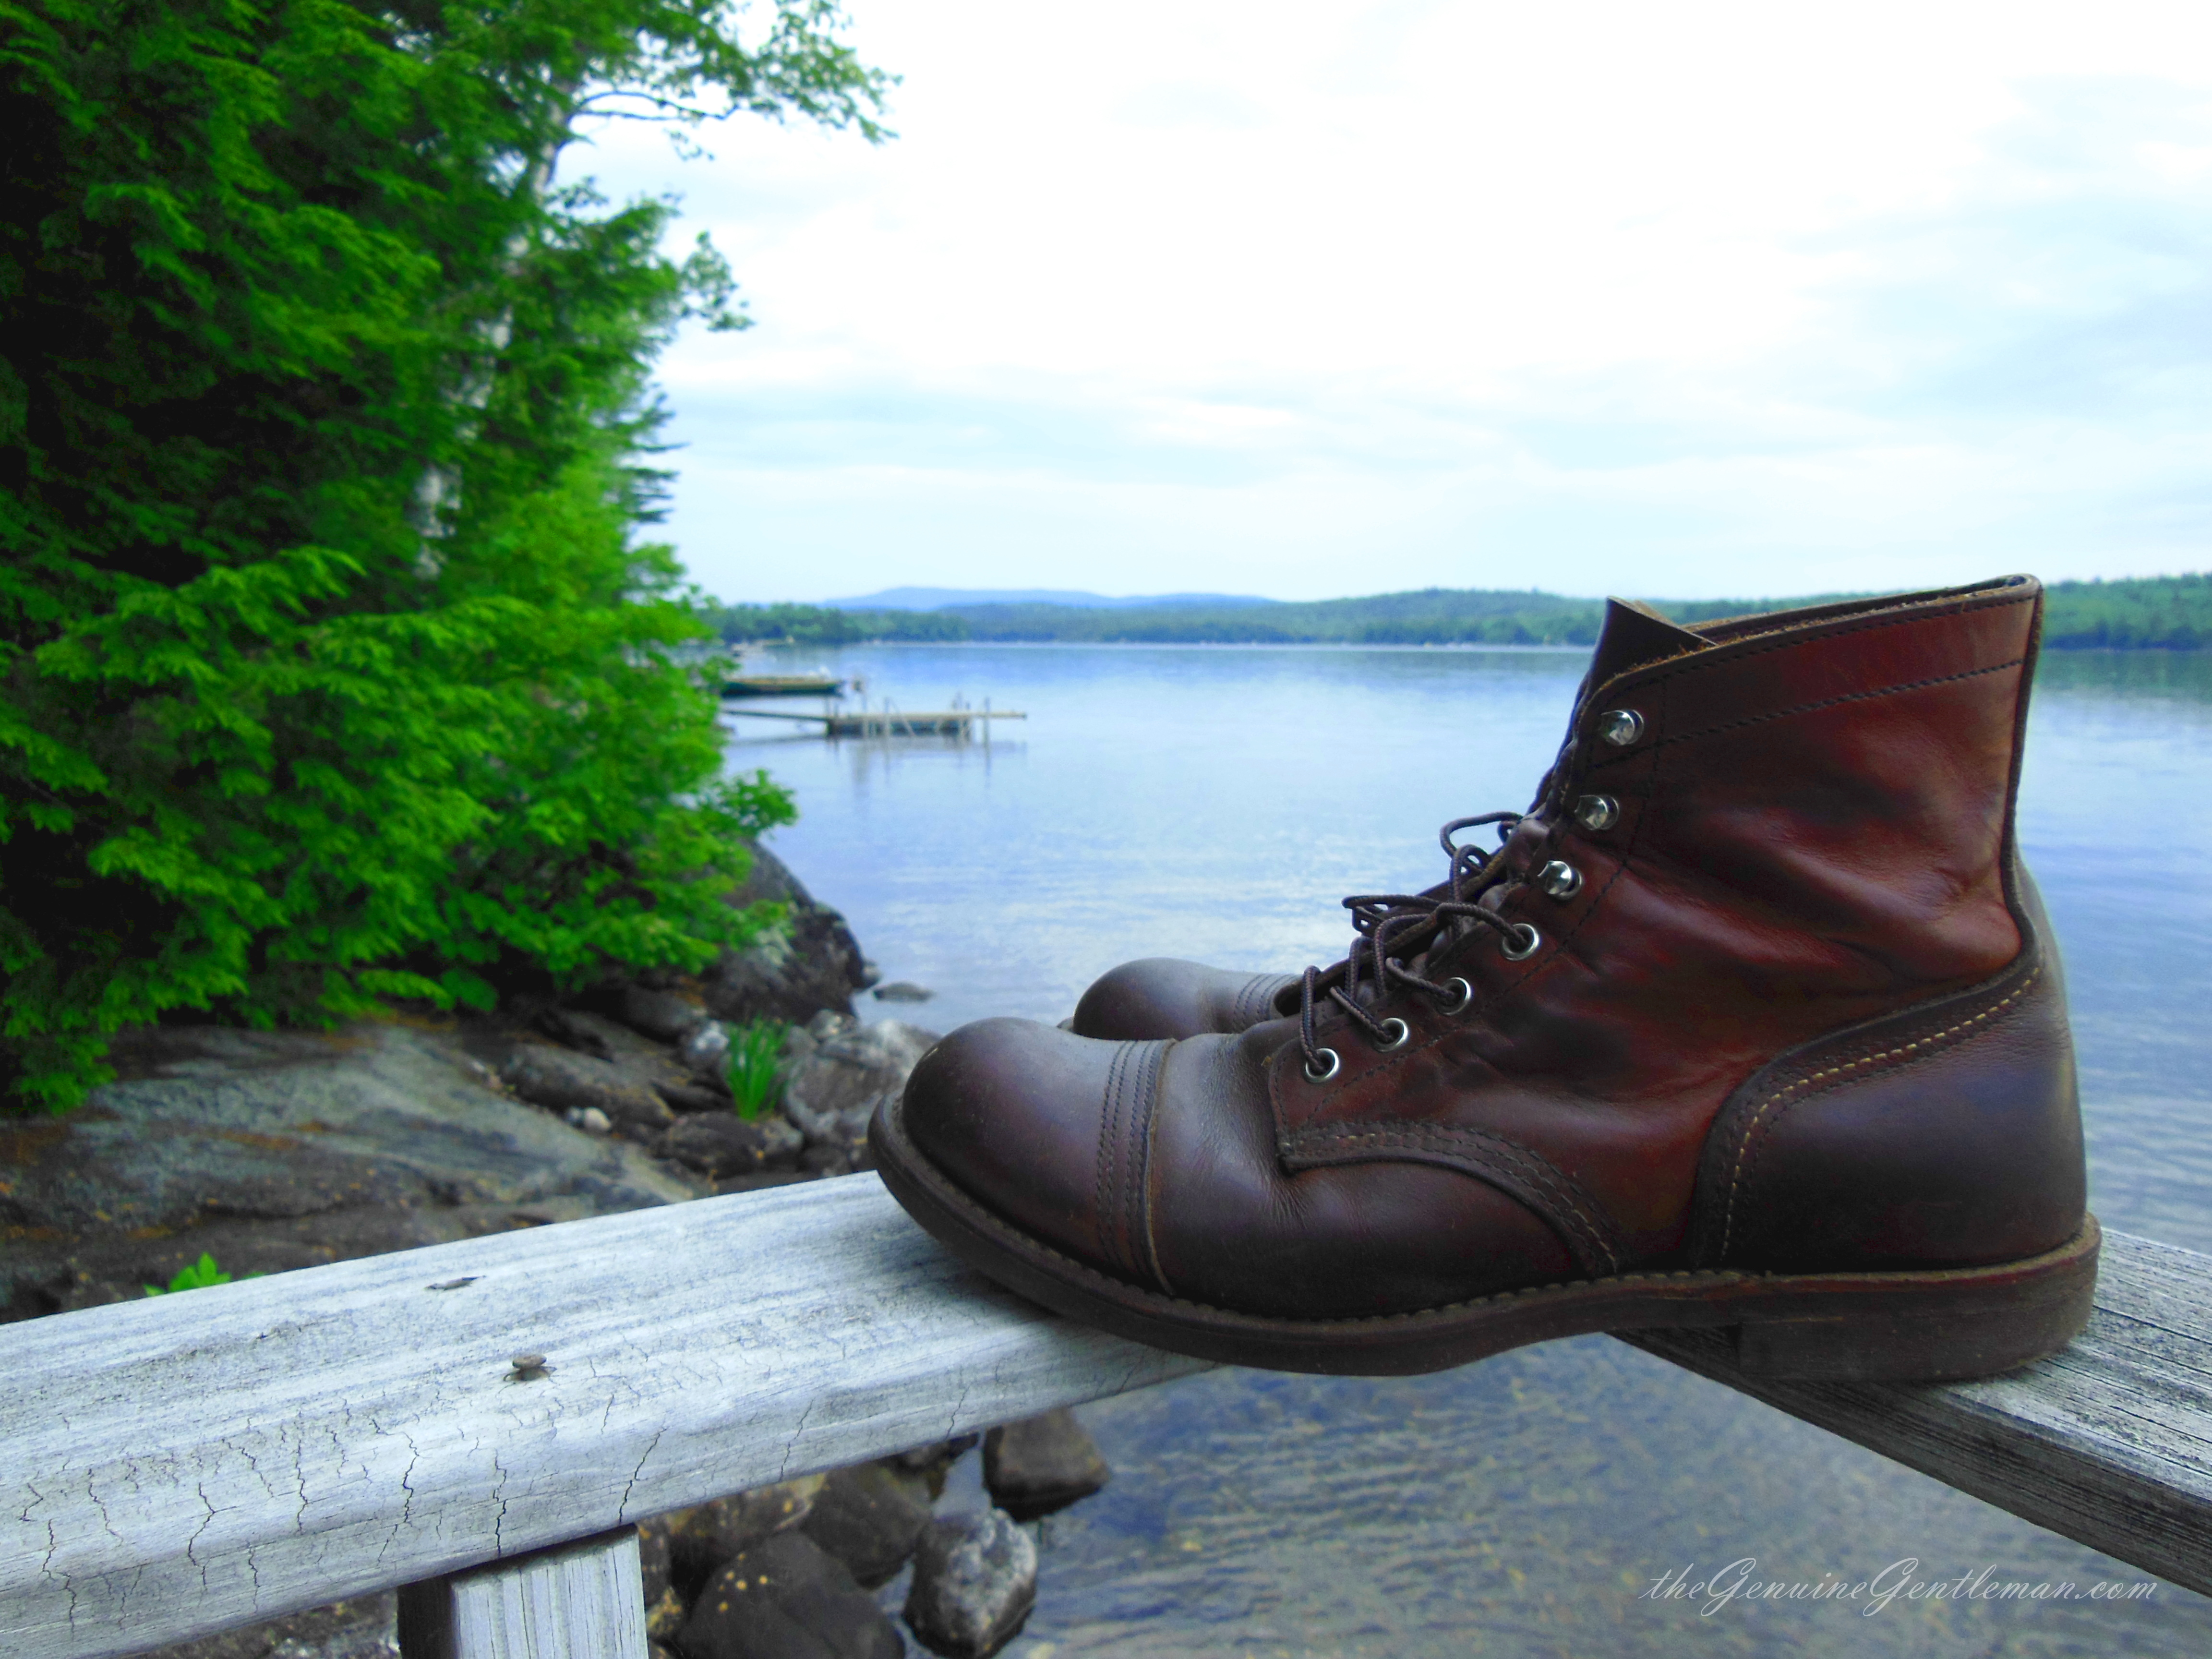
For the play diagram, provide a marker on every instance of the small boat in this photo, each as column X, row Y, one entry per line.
column 738, row 682
column 782, row 685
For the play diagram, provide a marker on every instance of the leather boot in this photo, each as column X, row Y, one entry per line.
column 1169, row 997
column 1754, row 1022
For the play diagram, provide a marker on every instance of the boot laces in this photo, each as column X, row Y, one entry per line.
column 1392, row 926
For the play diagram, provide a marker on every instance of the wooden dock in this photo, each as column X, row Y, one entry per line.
column 962, row 723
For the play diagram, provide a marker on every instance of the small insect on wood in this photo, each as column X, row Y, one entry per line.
column 527, row 1367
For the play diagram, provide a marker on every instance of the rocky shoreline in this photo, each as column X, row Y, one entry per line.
column 272, row 1151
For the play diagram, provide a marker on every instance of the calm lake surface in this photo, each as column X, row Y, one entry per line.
column 1216, row 803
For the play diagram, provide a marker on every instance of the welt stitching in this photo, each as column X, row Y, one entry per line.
column 1144, row 1176
column 1249, row 1000
column 1540, row 1171
column 1083, row 1271
column 1107, row 1144
column 1835, row 1074
column 1145, row 1086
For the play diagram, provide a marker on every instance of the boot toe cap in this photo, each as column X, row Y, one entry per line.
column 1015, row 1114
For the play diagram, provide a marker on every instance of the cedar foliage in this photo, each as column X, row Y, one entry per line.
column 332, row 667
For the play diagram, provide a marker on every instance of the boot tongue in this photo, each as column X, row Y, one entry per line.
column 1635, row 634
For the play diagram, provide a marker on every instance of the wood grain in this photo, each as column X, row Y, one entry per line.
column 188, row 1463
column 580, row 1601
column 2109, row 1441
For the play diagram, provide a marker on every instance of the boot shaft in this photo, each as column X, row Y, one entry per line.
column 1790, row 827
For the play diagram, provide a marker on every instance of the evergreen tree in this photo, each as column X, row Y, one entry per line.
column 332, row 667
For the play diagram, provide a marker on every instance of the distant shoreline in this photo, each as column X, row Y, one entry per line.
column 2154, row 613
column 2066, row 647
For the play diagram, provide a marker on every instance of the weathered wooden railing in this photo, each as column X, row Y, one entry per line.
column 179, row 1466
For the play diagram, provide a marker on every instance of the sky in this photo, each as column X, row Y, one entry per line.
column 1262, row 296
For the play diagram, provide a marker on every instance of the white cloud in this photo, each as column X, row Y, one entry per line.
column 1311, row 299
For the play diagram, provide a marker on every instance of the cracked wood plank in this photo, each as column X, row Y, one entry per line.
column 2108, row 1441
column 182, row 1465
column 188, row 1463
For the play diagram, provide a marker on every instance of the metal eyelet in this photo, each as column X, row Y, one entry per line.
column 1521, row 943
column 1597, row 813
column 1620, row 726
column 1335, row 1065
column 1400, row 1034
column 1560, row 879
column 1458, row 1005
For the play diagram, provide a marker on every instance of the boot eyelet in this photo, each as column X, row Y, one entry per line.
column 1620, row 727
column 1462, row 994
column 1335, row 1065
column 1595, row 813
column 1560, row 879
column 1400, row 1034
column 1521, row 943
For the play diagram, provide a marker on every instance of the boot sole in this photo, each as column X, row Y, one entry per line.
column 1941, row 1325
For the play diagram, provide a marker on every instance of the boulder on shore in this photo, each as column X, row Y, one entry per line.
column 812, row 964
column 975, row 1585
column 786, row 1599
column 272, row 1149
column 1041, row 1464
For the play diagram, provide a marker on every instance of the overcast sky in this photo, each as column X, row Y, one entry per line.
column 1298, row 300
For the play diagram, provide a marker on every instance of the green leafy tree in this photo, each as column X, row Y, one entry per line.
column 333, row 667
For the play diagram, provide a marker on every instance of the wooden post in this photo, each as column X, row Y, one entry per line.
column 580, row 1601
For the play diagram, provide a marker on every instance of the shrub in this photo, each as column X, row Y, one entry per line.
column 334, row 666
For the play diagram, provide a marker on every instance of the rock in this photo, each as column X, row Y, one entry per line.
column 691, row 1098
column 706, row 1050
column 664, row 1617
column 836, row 1071
column 366, row 1627
column 1041, row 1464
column 664, row 1016
column 700, row 1538
column 566, row 1028
column 568, row 1082
column 590, row 1119
column 902, row 990
column 975, row 1583
column 869, row 1519
column 655, row 1556
column 786, row 1599
column 722, row 1144
column 272, row 1149
column 938, row 1454
column 811, row 964
column 934, row 1463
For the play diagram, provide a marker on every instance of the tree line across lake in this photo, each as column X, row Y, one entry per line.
column 2167, row 613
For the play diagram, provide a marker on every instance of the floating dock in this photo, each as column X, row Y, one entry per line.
column 963, row 723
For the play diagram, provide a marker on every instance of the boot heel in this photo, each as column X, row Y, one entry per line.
column 1938, row 1327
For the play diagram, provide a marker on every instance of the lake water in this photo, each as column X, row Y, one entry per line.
column 1215, row 802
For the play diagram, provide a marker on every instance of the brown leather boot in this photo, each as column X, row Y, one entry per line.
column 1169, row 997
column 1755, row 1021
